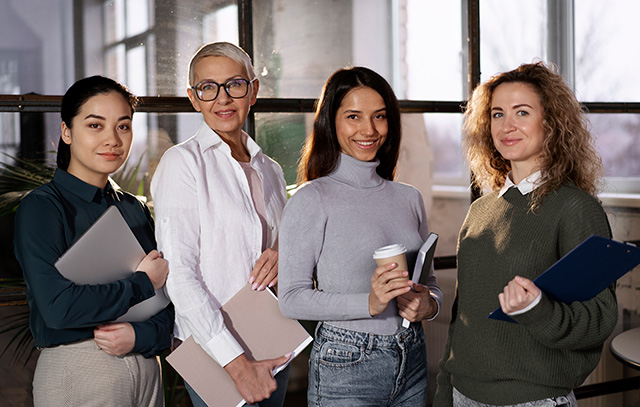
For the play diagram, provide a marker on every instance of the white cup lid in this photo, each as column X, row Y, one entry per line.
column 389, row 251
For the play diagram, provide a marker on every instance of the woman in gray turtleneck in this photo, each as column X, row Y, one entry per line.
column 349, row 207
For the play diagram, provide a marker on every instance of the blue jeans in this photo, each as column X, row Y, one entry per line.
column 276, row 399
column 349, row 368
column 460, row 400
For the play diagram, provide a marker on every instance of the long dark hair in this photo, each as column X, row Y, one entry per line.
column 321, row 151
column 76, row 96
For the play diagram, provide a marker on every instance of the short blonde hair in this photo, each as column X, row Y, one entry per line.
column 221, row 49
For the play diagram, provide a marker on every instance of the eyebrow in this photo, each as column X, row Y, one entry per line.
column 238, row 76
column 359, row 111
column 514, row 106
column 95, row 116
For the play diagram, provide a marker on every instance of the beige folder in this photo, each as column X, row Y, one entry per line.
column 254, row 319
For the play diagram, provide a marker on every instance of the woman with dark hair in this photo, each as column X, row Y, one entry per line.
column 348, row 208
column 85, row 358
column 527, row 142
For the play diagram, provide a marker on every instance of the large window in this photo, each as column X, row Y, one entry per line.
column 431, row 52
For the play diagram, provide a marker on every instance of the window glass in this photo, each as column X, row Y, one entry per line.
column 512, row 33
column 137, row 17
column 445, row 135
column 606, row 59
column 281, row 136
column 114, row 22
column 618, row 143
column 433, row 47
column 221, row 25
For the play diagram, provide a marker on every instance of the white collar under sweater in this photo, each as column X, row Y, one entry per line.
column 361, row 174
column 525, row 186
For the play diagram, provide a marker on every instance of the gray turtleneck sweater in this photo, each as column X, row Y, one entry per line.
column 328, row 233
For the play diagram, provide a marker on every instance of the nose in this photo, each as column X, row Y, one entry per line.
column 113, row 139
column 368, row 127
column 508, row 124
column 223, row 96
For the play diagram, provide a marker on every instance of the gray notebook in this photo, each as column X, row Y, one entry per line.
column 108, row 251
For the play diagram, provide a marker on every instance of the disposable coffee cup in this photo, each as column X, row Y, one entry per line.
column 395, row 253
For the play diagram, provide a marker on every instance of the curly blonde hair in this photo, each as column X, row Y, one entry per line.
column 568, row 152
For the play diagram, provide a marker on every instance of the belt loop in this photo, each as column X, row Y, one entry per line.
column 370, row 344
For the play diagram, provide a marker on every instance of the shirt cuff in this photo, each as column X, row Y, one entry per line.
column 223, row 348
column 528, row 307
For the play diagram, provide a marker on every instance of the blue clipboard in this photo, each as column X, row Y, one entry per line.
column 584, row 272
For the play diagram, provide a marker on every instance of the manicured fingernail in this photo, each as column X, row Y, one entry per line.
column 254, row 286
column 261, row 287
column 271, row 284
column 252, row 279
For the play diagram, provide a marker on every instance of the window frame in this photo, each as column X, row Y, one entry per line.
column 177, row 104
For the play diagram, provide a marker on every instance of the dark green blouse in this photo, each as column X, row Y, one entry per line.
column 49, row 220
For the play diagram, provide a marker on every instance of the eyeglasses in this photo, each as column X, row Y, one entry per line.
column 235, row 89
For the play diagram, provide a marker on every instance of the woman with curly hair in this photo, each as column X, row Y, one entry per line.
column 527, row 142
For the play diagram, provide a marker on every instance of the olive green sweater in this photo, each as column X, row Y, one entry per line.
column 554, row 346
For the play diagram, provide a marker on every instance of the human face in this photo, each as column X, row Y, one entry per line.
column 517, row 127
column 224, row 115
column 99, row 138
column 361, row 123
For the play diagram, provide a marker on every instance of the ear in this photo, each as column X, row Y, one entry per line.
column 195, row 102
column 254, row 91
column 65, row 133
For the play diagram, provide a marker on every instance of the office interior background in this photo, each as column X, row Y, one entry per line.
column 433, row 52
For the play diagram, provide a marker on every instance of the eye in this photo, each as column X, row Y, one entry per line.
column 124, row 127
column 352, row 116
column 522, row 113
column 497, row 115
column 235, row 83
column 380, row 116
column 94, row 125
column 208, row 86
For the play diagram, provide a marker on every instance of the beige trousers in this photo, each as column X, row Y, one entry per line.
column 80, row 374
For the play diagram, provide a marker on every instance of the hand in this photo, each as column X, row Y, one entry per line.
column 115, row 339
column 518, row 294
column 383, row 289
column 156, row 268
column 265, row 272
column 254, row 379
column 418, row 304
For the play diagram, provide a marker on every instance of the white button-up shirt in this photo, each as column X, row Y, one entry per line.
column 525, row 187
column 209, row 231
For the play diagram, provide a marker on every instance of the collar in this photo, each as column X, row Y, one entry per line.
column 207, row 138
column 81, row 189
column 525, row 186
column 356, row 173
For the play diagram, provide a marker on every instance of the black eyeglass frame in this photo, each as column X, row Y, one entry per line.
column 224, row 86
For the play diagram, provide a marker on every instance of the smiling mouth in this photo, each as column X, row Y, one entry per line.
column 225, row 113
column 365, row 143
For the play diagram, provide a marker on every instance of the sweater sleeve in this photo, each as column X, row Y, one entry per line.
column 302, row 234
column 431, row 281
column 444, row 391
column 581, row 324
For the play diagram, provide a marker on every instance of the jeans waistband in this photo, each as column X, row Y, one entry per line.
column 369, row 340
